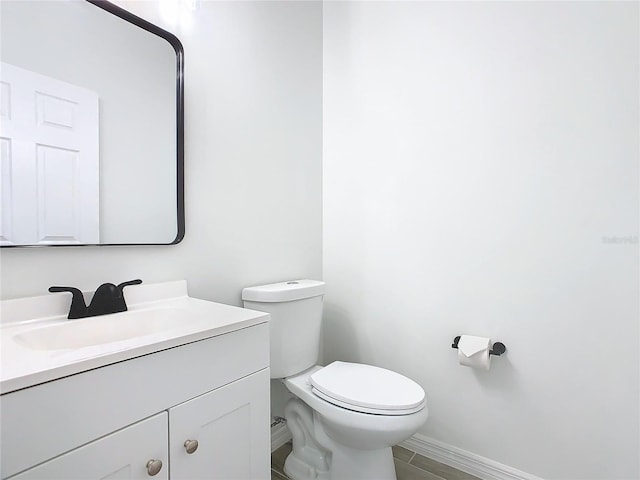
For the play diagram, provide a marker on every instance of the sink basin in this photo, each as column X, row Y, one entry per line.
column 103, row 329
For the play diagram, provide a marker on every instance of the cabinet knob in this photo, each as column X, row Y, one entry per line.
column 153, row 467
column 191, row 446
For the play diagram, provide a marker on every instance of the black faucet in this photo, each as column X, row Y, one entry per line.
column 108, row 298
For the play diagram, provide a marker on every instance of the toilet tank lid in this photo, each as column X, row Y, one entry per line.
column 284, row 291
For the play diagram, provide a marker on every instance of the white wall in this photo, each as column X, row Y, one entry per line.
column 253, row 162
column 481, row 176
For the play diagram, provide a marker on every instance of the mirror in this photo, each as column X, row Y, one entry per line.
column 91, row 127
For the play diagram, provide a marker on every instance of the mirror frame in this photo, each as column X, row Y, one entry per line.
column 177, row 46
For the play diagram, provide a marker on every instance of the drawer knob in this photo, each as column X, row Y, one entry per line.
column 191, row 446
column 153, row 467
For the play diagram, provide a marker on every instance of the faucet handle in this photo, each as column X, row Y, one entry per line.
column 78, row 307
column 130, row 282
column 109, row 298
column 119, row 304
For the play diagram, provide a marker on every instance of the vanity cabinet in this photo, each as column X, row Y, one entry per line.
column 110, row 422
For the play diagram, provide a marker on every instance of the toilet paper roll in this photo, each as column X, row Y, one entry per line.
column 474, row 352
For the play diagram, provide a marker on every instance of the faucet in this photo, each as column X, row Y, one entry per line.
column 108, row 298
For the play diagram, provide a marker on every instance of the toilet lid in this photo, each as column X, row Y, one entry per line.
column 369, row 389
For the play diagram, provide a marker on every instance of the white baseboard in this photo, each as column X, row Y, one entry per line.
column 471, row 463
column 280, row 435
column 455, row 457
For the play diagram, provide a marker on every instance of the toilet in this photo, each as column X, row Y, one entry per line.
column 345, row 417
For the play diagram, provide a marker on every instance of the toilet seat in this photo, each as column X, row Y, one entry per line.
column 367, row 389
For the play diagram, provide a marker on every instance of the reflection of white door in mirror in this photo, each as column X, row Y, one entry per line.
column 49, row 176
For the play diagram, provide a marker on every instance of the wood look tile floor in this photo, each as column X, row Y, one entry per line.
column 409, row 466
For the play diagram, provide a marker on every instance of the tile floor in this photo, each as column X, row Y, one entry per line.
column 409, row 466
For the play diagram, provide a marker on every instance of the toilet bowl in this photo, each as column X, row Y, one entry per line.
column 345, row 417
column 358, row 443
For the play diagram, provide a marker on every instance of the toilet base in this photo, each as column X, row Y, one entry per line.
column 308, row 460
column 297, row 469
column 315, row 456
column 349, row 464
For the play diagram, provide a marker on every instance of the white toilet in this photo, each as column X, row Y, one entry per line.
column 346, row 416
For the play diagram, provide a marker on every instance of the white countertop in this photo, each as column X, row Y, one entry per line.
column 22, row 366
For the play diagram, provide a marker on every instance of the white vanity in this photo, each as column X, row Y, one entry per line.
column 174, row 388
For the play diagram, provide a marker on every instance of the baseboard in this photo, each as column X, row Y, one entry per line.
column 280, row 435
column 468, row 462
column 455, row 457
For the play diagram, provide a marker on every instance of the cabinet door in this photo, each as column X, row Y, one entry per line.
column 231, row 426
column 118, row 456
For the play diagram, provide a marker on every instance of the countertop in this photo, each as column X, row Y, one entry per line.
column 22, row 366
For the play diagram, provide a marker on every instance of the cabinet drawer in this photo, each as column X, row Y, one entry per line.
column 53, row 418
column 121, row 455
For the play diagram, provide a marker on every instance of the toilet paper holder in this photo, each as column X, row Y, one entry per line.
column 497, row 348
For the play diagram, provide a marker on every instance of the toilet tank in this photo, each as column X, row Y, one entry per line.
column 296, row 315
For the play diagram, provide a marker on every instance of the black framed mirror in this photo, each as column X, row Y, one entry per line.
column 92, row 126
